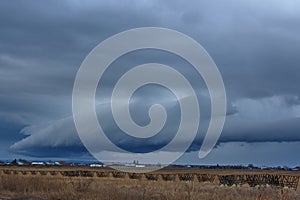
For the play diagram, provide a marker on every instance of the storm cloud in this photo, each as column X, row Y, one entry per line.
column 255, row 45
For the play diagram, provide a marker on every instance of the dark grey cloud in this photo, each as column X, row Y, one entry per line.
column 255, row 45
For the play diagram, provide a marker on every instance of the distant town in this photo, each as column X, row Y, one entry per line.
column 63, row 163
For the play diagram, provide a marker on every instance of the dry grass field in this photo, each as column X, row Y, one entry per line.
column 62, row 187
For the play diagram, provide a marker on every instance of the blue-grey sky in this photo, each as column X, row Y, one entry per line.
column 255, row 45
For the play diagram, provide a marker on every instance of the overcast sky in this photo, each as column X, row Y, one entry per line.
column 255, row 45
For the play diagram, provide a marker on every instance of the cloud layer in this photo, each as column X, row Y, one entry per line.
column 255, row 45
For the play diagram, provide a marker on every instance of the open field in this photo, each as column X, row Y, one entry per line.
column 87, row 183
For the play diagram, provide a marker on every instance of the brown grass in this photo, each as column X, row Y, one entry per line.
column 55, row 187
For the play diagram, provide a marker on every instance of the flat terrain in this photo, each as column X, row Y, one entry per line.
column 89, row 183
